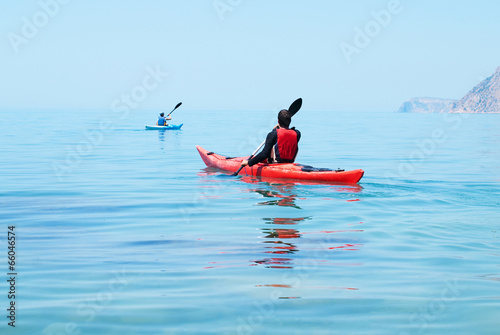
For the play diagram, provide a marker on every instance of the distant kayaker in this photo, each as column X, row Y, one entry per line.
column 162, row 120
column 281, row 143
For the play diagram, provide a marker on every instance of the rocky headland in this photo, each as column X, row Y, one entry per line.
column 426, row 105
column 484, row 98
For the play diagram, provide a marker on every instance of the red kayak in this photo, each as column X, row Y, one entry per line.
column 283, row 171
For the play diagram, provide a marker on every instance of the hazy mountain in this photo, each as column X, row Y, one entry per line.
column 484, row 98
column 426, row 105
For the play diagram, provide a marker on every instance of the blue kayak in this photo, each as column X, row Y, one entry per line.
column 169, row 127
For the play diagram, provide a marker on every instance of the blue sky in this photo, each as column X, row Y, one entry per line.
column 248, row 55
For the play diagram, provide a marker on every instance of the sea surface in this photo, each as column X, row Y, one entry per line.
column 120, row 230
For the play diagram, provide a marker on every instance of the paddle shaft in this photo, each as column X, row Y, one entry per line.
column 249, row 158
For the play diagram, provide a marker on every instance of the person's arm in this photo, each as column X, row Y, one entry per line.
column 271, row 140
column 168, row 118
column 298, row 134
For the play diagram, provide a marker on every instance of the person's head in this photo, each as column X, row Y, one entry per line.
column 284, row 118
column 162, row 114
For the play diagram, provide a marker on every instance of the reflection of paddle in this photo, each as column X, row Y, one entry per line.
column 292, row 110
column 176, row 106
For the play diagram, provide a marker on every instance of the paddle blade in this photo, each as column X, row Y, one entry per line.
column 295, row 106
column 176, row 106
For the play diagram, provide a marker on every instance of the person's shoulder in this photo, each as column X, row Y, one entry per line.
column 272, row 134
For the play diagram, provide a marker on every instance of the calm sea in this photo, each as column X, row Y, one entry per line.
column 120, row 230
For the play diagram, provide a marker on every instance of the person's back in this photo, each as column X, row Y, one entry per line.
column 162, row 120
column 281, row 144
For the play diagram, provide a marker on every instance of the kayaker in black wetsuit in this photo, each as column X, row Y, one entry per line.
column 281, row 143
column 162, row 120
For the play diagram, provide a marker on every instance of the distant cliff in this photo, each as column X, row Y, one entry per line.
column 484, row 98
column 426, row 105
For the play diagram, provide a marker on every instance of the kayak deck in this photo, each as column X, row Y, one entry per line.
column 282, row 171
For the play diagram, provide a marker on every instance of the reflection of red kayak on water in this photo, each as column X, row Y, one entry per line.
column 282, row 171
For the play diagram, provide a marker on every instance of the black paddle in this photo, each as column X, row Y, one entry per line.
column 176, row 106
column 292, row 110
